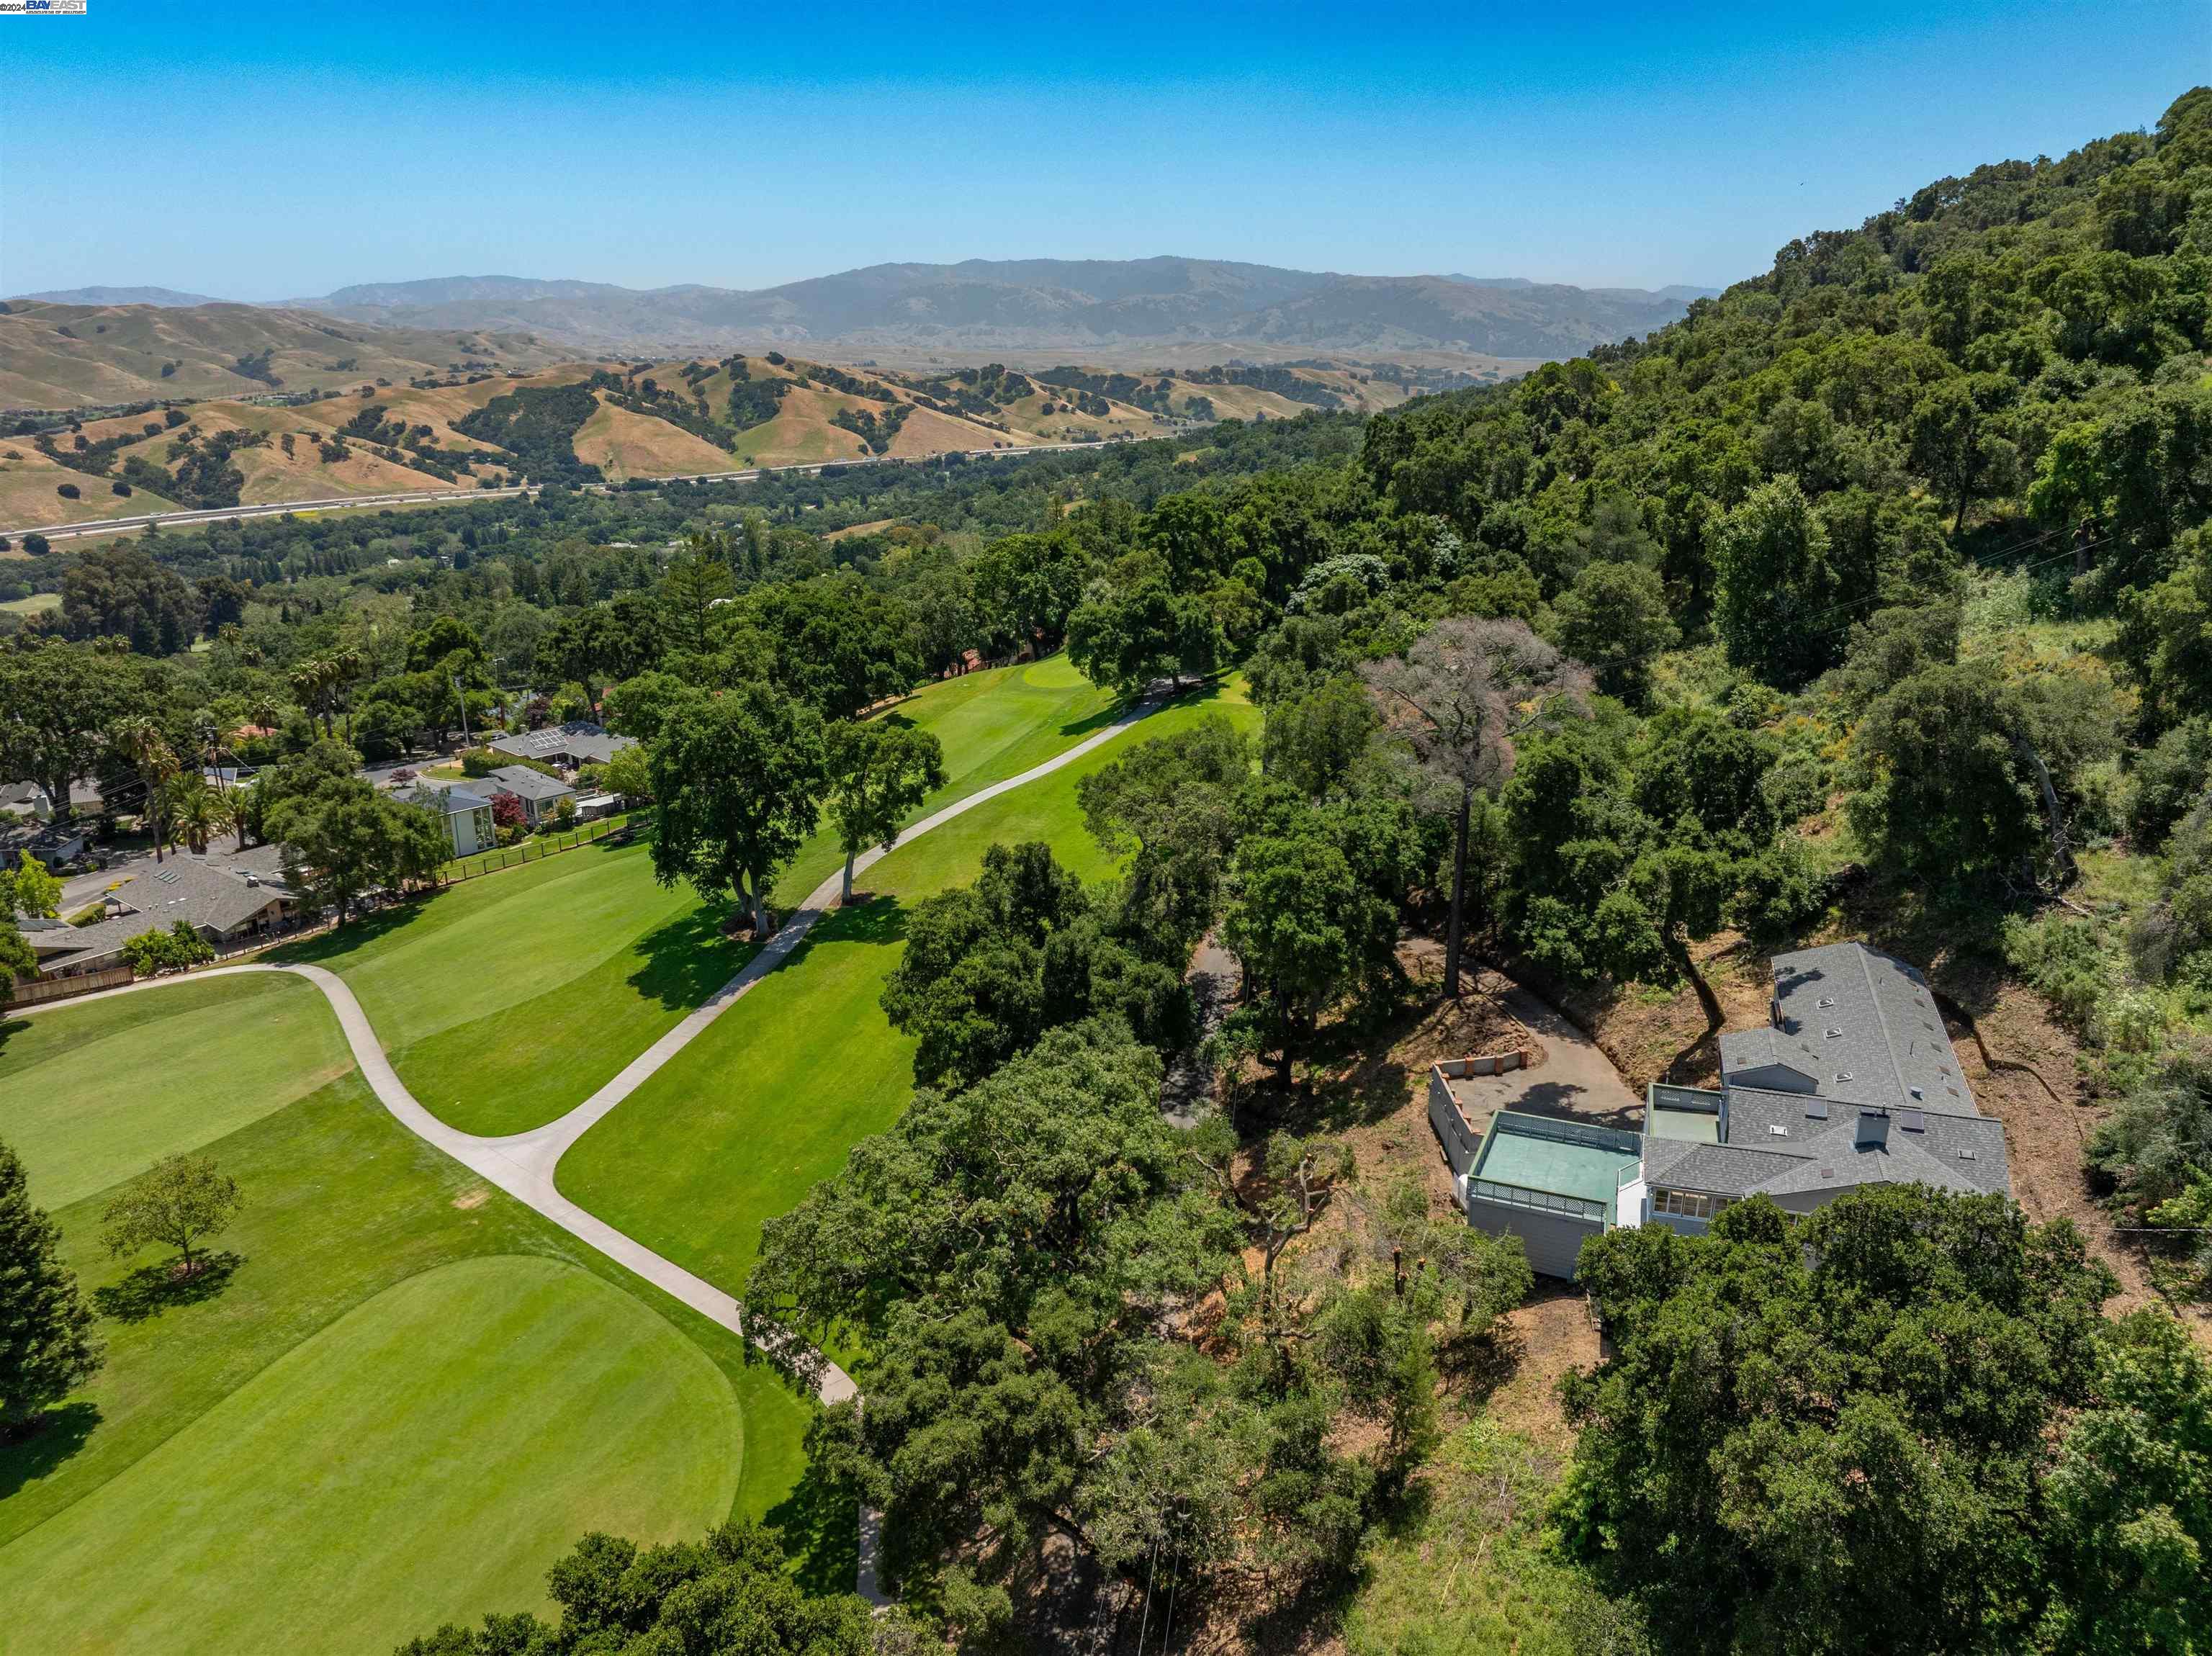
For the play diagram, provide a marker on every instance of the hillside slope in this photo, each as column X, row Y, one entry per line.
column 77, row 355
column 589, row 423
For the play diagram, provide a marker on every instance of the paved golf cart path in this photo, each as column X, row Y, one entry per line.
column 522, row 1164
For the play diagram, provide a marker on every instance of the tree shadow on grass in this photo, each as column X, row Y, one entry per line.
column 819, row 1525
column 152, row 1289
column 362, row 930
column 10, row 1029
column 33, row 1455
column 878, row 920
column 686, row 960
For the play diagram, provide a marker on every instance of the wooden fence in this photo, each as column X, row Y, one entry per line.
column 45, row 989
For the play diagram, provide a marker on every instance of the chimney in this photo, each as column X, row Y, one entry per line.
column 1873, row 1129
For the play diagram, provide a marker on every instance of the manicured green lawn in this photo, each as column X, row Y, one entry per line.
column 342, row 1206
column 741, row 1124
column 75, row 1100
column 992, row 725
column 508, row 1001
column 421, row 1460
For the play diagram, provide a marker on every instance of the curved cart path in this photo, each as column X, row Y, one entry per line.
column 522, row 1164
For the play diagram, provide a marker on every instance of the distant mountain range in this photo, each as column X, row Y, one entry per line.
column 169, row 298
column 1037, row 304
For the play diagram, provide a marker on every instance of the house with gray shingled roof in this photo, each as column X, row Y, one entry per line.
column 540, row 794
column 1853, row 1082
column 230, row 894
column 567, row 746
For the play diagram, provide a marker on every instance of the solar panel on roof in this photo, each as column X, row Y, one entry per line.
column 1816, row 1109
column 1912, row 1120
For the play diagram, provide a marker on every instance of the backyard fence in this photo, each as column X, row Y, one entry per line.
column 45, row 989
column 536, row 850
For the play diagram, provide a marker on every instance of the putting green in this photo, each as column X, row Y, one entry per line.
column 423, row 1459
column 744, row 1121
column 91, row 1096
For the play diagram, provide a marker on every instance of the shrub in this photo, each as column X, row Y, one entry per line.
column 68, row 491
column 37, row 545
column 2060, row 959
column 157, row 951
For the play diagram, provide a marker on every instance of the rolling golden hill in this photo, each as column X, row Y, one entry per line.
column 327, row 435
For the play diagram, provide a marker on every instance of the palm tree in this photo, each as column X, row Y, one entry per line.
column 312, row 682
column 347, row 668
column 155, row 761
column 196, row 812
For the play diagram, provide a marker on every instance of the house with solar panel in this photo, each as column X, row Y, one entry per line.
column 565, row 746
column 1852, row 1082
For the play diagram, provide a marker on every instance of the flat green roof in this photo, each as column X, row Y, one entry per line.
column 1696, row 1126
column 1535, row 1159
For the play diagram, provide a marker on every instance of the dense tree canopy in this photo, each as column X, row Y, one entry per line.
column 1831, row 1436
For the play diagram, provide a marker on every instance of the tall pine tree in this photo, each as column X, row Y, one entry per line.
column 48, row 1348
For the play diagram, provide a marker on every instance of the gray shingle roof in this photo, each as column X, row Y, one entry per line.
column 525, row 783
column 444, row 797
column 1917, row 1144
column 1722, row 1169
column 1863, row 1024
column 218, row 894
column 590, row 744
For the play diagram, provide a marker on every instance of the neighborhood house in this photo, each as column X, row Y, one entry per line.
column 1853, row 1082
column 230, row 896
column 540, row 794
column 466, row 814
column 565, row 746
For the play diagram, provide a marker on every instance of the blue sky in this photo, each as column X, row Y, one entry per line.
column 259, row 151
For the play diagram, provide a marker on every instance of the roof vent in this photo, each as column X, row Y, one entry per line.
column 1834, row 1033
column 1776, row 1130
column 1915, row 1091
column 1966, row 1156
column 1827, row 1173
column 1842, row 1075
column 1826, row 1002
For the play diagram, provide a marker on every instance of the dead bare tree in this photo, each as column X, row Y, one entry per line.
column 1461, row 696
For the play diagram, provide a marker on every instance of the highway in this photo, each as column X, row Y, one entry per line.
column 57, row 533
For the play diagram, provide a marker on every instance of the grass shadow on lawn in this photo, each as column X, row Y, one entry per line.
column 151, row 1289
column 61, row 1433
